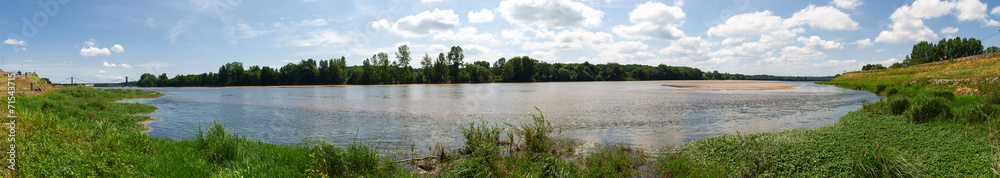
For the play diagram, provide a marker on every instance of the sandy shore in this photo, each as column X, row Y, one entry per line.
column 147, row 128
column 732, row 86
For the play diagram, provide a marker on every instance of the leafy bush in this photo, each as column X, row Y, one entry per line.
column 925, row 109
column 897, row 105
column 218, row 144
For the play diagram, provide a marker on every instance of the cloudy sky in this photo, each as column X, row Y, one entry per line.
column 103, row 41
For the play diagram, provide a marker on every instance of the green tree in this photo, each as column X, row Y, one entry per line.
column 873, row 67
column 519, row 69
column 991, row 49
column 162, row 80
column 615, row 72
column 147, row 80
column 455, row 58
column 231, row 74
column 441, row 70
column 405, row 74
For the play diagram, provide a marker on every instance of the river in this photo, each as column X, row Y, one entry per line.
column 644, row 114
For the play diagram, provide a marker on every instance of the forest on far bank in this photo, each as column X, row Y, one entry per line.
column 447, row 67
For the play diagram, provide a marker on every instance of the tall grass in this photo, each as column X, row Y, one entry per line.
column 218, row 145
column 878, row 162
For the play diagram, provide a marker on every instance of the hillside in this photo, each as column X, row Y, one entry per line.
column 979, row 66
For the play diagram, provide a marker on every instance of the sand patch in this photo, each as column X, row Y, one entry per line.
column 732, row 86
column 146, row 128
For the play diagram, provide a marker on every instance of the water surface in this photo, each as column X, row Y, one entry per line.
column 645, row 114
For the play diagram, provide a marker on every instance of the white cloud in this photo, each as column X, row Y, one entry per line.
column 568, row 39
column 906, row 31
column 748, row 25
column 908, row 22
column 796, row 54
column 102, row 72
column 548, row 56
column 15, row 42
column 426, row 23
column 688, row 49
column 94, row 51
column 816, row 43
column 515, row 36
column 117, row 48
column 482, row 16
column 656, row 13
column 318, row 22
column 319, row 38
column 648, row 31
column 888, row 62
column 824, row 17
column 123, row 65
column 995, row 11
column 847, row 4
column 770, row 29
column 968, row 10
column 867, row 42
column 653, row 20
column 466, row 34
column 550, row 14
column 381, row 24
column 626, row 52
column 90, row 49
column 247, row 32
column 949, row 30
column 430, row 1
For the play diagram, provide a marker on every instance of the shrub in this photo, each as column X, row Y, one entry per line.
column 943, row 94
column 891, row 91
column 990, row 91
column 613, row 160
column 925, row 109
column 897, row 105
column 976, row 113
column 327, row 160
column 218, row 144
column 537, row 135
column 879, row 88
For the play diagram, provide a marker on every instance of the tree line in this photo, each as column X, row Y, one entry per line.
column 449, row 67
column 945, row 49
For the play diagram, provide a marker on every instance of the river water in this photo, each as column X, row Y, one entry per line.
column 643, row 114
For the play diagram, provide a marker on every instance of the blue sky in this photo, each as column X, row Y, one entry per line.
column 103, row 41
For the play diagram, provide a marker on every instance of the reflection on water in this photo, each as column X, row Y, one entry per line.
column 640, row 113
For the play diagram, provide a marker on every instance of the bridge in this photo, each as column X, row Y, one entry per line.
column 111, row 83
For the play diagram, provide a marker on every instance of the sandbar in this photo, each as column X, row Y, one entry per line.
column 732, row 86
